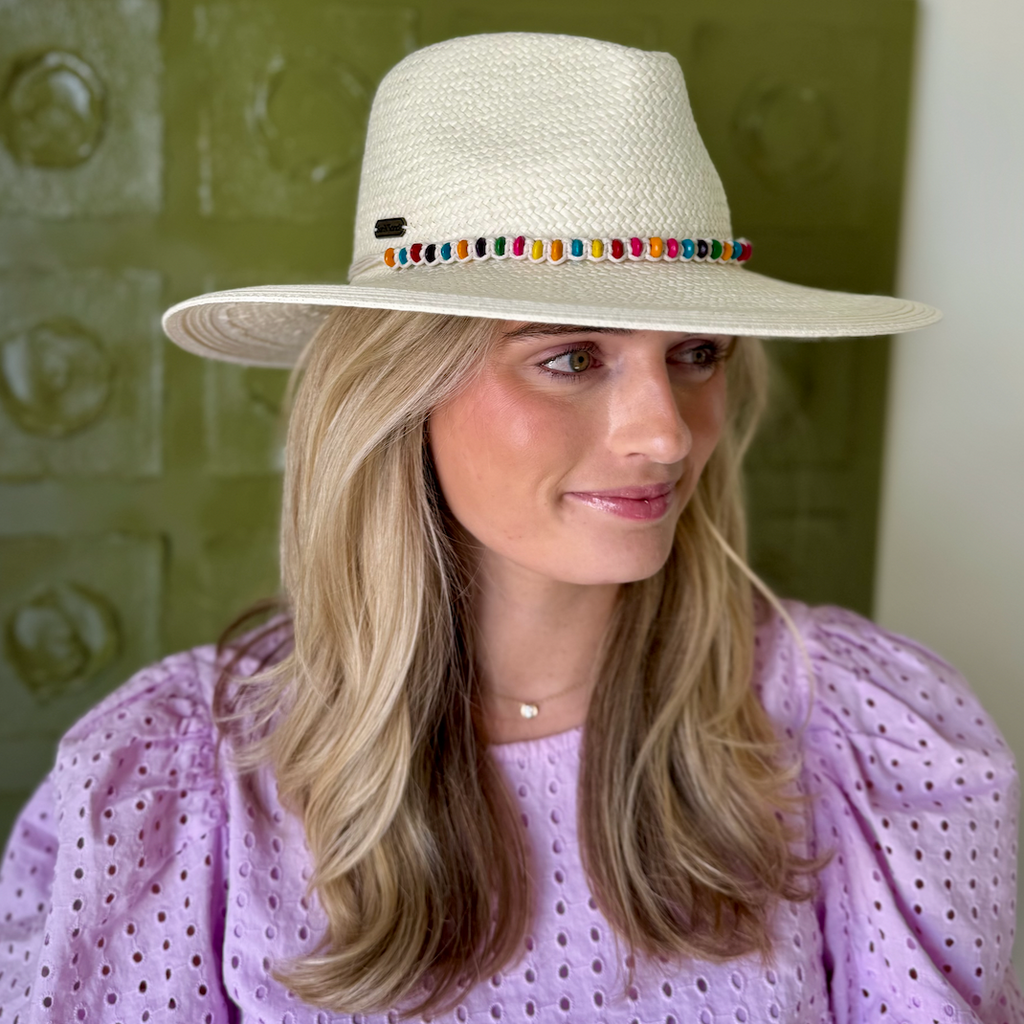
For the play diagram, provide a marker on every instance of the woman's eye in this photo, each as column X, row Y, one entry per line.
column 703, row 357
column 570, row 362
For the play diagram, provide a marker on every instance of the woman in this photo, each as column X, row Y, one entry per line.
column 523, row 743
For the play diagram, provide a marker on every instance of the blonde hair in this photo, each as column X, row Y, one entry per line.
column 370, row 725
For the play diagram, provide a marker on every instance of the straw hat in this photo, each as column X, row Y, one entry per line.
column 538, row 177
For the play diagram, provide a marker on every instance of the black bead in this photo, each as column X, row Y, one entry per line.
column 481, row 247
column 430, row 253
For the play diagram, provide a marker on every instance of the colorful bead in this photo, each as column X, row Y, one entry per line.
column 557, row 250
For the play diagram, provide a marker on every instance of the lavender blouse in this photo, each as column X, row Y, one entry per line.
column 140, row 884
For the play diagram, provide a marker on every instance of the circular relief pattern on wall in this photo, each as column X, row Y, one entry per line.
column 309, row 116
column 61, row 636
column 52, row 111
column 55, row 377
column 787, row 132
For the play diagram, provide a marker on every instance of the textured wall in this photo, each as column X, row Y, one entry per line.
column 153, row 150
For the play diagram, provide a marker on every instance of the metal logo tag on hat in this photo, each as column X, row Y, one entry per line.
column 539, row 177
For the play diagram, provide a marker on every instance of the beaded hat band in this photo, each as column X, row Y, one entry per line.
column 560, row 250
column 538, row 195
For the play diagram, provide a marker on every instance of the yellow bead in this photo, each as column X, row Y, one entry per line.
column 657, row 247
column 462, row 249
column 597, row 248
column 537, row 251
column 556, row 249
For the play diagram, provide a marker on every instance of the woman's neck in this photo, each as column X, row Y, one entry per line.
column 538, row 642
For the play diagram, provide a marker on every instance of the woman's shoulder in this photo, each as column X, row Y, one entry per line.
column 128, row 828
column 173, row 697
column 915, row 792
column 832, row 669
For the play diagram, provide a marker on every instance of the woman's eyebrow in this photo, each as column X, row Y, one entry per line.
column 537, row 330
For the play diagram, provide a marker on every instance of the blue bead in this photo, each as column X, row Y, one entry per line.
column 403, row 255
column 446, row 251
column 688, row 248
column 577, row 247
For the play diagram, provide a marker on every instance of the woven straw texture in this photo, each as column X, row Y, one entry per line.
column 546, row 136
column 554, row 135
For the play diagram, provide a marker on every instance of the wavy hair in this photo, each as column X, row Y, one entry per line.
column 369, row 717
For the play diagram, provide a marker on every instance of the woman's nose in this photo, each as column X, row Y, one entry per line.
column 644, row 418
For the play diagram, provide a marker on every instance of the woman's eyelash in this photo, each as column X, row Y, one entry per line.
column 716, row 351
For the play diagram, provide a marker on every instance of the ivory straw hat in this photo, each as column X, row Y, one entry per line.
column 549, row 178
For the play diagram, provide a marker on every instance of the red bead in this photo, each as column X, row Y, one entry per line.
column 414, row 252
column 746, row 254
column 618, row 249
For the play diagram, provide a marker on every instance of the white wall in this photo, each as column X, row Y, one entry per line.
column 951, row 561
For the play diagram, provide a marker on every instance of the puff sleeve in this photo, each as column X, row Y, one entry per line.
column 112, row 885
column 917, row 794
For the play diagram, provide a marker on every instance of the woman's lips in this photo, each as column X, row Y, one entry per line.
column 647, row 502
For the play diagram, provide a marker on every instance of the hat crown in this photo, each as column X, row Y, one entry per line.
column 550, row 136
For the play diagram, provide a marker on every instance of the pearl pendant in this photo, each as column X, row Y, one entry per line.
column 529, row 710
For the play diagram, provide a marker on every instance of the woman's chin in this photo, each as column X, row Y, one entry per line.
column 618, row 566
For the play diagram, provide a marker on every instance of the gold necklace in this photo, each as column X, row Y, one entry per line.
column 531, row 710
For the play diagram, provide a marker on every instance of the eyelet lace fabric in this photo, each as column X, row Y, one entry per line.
column 141, row 884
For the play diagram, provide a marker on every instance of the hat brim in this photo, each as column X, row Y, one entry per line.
column 269, row 325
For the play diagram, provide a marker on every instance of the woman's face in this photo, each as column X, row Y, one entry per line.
column 574, row 452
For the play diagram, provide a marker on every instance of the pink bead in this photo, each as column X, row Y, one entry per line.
column 518, row 245
column 636, row 246
column 672, row 247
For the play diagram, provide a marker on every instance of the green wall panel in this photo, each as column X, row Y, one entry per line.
column 152, row 151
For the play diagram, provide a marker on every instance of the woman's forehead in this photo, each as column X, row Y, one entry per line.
column 515, row 329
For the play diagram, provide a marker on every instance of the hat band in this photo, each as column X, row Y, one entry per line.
column 561, row 250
